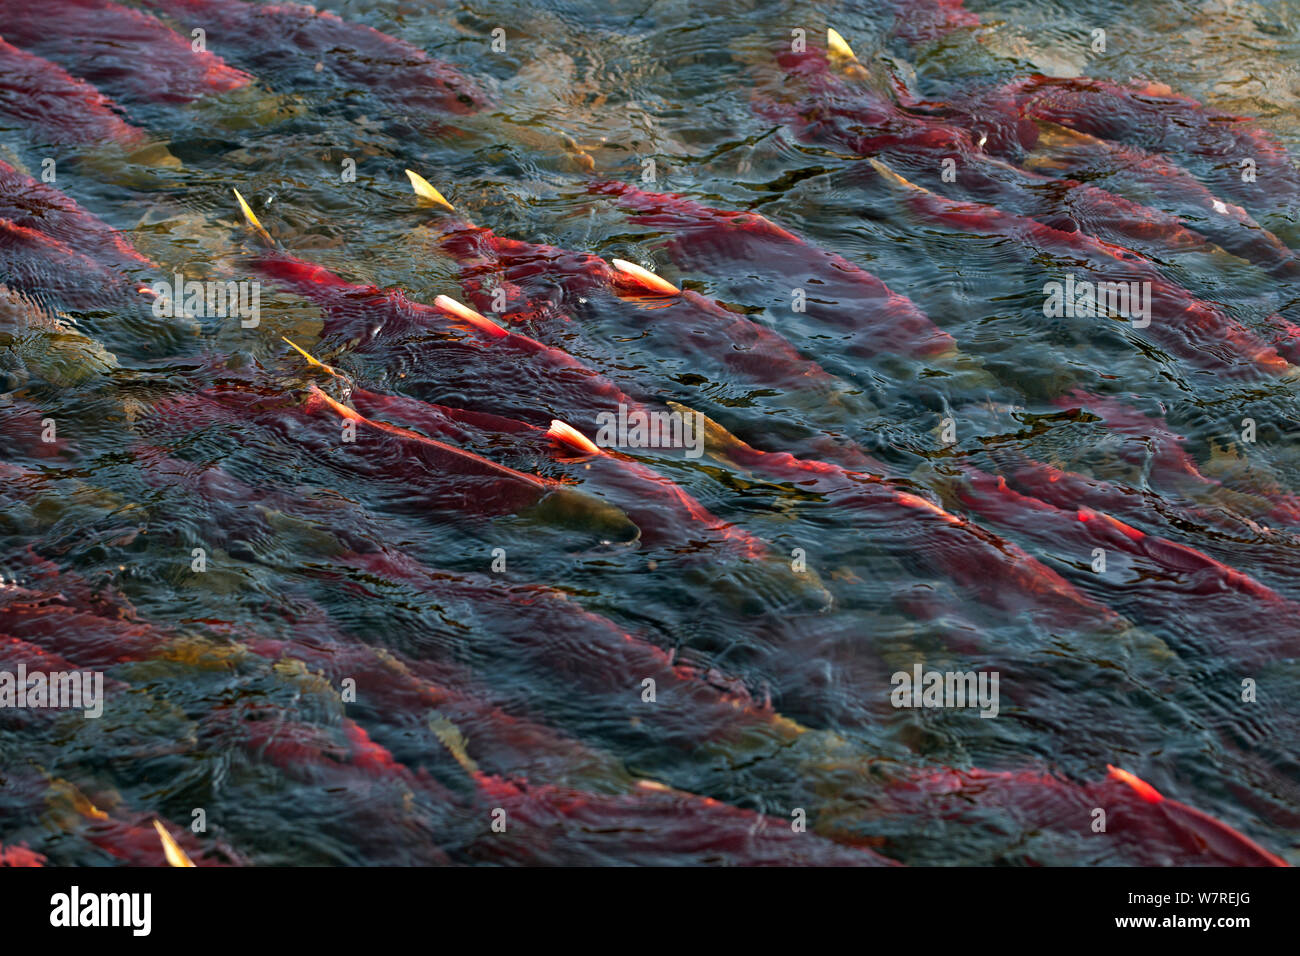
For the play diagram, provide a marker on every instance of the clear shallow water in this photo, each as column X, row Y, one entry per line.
column 1157, row 693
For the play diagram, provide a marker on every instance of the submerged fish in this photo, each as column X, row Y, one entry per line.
column 874, row 319
column 424, row 473
column 448, row 349
column 49, row 347
column 43, row 208
column 306, row 43
column 57, row 275
column 1138, row 827
column 82, row 300
column 1147, row 177
column 662, row 318
column 1032, row 581
column 602, row 667
column 654, row 826
column 95, row 38
column 56, row 108
column 1174, row 471
column 480, row 695
column 998, row 573
column 489, row 487
column 922, row 21
column 120, row 835
column 1176, row 579
column 950, row 158
column 339, row 758
column 685, row 699
column 556, row 292
column 667, row 515
column 1153, row 117
column 618, row 306
column 1199, row 332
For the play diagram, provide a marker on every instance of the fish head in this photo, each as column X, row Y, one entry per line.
column 579, row 511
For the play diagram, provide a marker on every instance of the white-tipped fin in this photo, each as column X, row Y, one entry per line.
column 476, row 319
column 566, row 434
column 644, row 277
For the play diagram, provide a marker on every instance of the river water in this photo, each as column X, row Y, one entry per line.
column 271, row 602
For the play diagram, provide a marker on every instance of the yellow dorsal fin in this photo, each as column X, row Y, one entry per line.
column 842, row 57
column 893, row 177
column 837, row 46
column 171, row 849
column 312, row 360
column 424, row 189
column 251, row 218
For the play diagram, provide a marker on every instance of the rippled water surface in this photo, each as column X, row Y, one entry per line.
column 357, row 648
